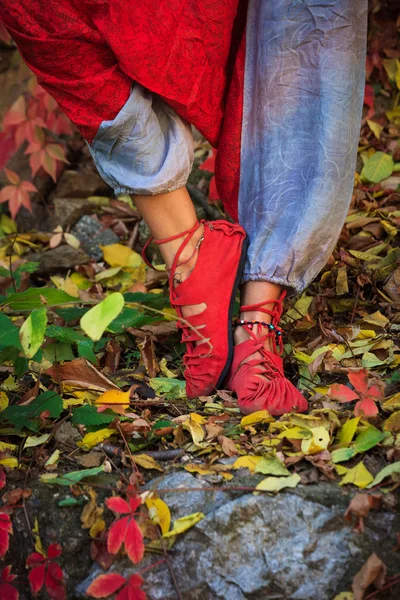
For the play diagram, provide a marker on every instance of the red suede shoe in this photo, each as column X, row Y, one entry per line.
column 259, row 383
column 214, row 281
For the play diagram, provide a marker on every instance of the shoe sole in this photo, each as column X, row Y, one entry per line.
column 236, row 284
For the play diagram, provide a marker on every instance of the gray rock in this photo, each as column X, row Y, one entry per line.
column 67, row 211
column 91, row 233
column 59, row 259
column 292, row 546
column 80, row 184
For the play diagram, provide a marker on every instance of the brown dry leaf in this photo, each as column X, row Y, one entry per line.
column 138, row 425
column 13, row 496
column 81, row 374
column 91, row 516
column 148, row 356
column 372, row 572
column 213, row 430
column 160, row 331
column 359, row 507
column 147, row 462
column 227, row 445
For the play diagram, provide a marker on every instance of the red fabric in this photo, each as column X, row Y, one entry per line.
column 86, row 53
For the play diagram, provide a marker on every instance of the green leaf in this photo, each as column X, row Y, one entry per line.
column 32, row 332
column 386, row 472
column 71, row 478
column 130, row 317
column 9, row 335
column 342, row 454
column 158, row 301
column 88, row 415
column 95, row 321
column 348, row 430
column 26, row 415
column 58, row 352
column 85, row 349
column 64, row 334
column 270, row 465
column 71, row 314
column 168, row 387
column 276, row 484
column 37, row 298
column 368, row 438
column 378, row 167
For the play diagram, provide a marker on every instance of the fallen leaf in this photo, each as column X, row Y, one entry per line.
column 159, row 513
column 358, row 475
column 95, row 437
column 276, row 484
column 227, row 445
column 116, row 400
column 184, row 523
column 81, row 374
column 260, row 416
column 146, row 461
column 372, row 572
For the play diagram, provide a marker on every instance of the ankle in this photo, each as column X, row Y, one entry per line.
column 187, row 257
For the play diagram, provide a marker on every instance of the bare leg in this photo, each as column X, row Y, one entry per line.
column 167, row 215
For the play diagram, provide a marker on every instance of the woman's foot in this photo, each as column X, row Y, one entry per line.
column 256, row 373
column 204, row 276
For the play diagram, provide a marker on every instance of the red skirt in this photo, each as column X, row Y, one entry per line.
column 87, row 53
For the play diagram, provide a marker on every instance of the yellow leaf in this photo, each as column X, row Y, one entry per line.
column 116, row 400
column 98, row 526
column 319, row 441
column 81, row 282
column 358, row 475
column 393, row 403
column 344, row 596
column 165, row 371
column 147, row 462
column 107, row 273
column 296, row 433
column 193, row 426
column 275, row 484
column 4, row 446
column 365, row 334
column 184, row 523
column 347, row 432
column 198, row 418
column 38, row 542
column 3, row 401
column 96, row 437
column 260, row 416
column 192, row 468
column 159, row 513
column 32, row 440
column 247, row 462
column 53, row 458
column 392, row 424
column 11, row 463
column 375, row 127
column 341, row 469
column 117, row 255
column 9, row 384
column 376, row 318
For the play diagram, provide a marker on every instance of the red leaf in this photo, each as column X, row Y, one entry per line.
column 105, row 585
column 116, row 535
column 54, row 550
column 129, row 593
column 374, row 391
column 118, row 505
column 5, row 530
column 209, row 163
column 134, row 503
column 2, row 478
column 6, row 574
column 8, row 592
column 134, row 545
column 366, row 407
column 342, row 393
column 36, row 578
column 34, row 559
column 359, row 380
column 12, row 176
column 54, row 582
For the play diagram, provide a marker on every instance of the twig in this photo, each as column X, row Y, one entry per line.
column 170, row 569
column 133, row 236
column 385, row 587
column 10, row 262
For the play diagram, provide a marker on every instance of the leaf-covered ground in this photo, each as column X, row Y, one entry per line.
column 93, row 350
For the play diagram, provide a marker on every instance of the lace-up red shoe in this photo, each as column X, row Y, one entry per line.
column 213, row 283
column 256, row 374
